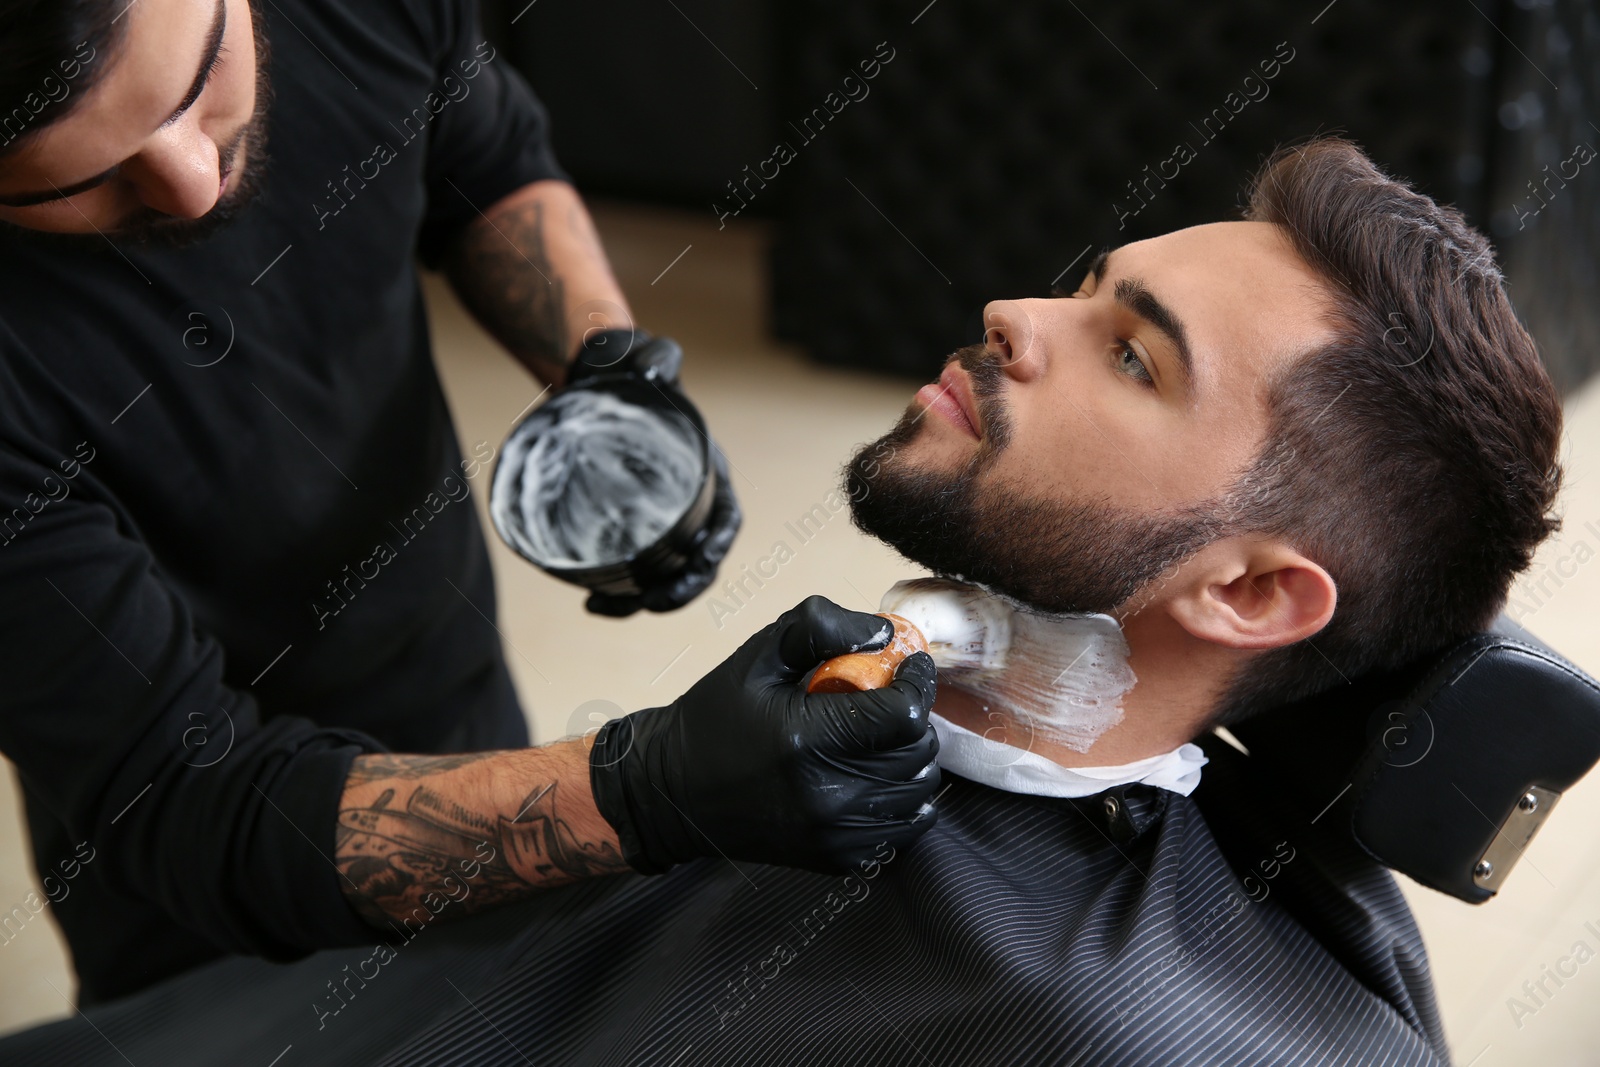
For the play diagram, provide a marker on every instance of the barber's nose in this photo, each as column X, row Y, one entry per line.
column 1008, row 336
column 177, row 172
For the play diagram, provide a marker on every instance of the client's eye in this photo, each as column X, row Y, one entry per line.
column 1129, row 363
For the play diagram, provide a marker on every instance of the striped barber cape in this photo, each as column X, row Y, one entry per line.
column 1109, row 930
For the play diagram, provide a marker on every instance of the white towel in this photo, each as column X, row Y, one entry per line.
column 1016, row 770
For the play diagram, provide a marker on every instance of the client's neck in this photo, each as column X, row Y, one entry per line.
column 1178, row 681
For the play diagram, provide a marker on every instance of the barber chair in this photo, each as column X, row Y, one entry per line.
column 1443, row 770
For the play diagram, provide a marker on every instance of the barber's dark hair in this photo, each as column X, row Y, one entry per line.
column 44, row 72
column 1415, row 456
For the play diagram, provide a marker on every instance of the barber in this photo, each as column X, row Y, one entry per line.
column 251, row 683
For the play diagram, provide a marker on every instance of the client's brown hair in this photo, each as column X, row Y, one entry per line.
column 1415, row 457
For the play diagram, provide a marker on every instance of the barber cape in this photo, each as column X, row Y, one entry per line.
column 1109, row 929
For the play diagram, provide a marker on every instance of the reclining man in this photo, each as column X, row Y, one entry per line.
column 1281, row 452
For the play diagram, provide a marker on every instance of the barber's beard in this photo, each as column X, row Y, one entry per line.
column 151, row 228
column 1053, row 555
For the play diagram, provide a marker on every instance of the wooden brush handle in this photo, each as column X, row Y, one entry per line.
column 869, row 670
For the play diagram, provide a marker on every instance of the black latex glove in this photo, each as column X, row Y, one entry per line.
column 749, row 766
column 658, row 359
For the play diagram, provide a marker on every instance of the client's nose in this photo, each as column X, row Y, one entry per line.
column 1008, row 336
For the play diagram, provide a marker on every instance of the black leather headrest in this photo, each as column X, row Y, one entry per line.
column 1443, row 770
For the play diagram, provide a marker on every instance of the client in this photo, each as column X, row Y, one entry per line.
column 1279, row 452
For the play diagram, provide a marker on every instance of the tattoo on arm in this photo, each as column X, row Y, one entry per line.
column 502, row 269
column 378, row 766
column 410, row 845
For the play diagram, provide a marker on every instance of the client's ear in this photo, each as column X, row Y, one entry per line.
column 1253, row 594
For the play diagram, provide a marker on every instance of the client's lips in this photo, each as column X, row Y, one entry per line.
column 951, row 397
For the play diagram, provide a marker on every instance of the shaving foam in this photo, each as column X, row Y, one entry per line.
column 596, row 479
column 1063, row 676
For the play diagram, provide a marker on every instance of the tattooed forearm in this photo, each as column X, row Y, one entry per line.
column 383, row 765
column 478, row 830
column 532, row 271
column 502, row 270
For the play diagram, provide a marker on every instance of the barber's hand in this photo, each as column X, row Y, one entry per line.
column 658, row 359
column 749, row 766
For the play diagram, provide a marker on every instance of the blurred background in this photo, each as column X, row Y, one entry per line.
column 772, row 227
column 1001, row 140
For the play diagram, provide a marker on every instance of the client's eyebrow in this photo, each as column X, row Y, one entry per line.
column 208, row 61
column 1134, row 295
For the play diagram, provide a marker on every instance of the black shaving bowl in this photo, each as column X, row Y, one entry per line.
column 662, row 560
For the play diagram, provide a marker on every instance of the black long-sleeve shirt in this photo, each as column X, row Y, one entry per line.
column 236, row 541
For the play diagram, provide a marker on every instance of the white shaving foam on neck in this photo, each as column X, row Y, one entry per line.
column 1063, row 676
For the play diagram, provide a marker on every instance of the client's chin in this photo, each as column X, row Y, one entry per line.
column 1052, row 555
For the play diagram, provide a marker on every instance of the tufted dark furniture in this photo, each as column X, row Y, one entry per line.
column 1000, row 141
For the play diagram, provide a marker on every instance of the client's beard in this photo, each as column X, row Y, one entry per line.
column 1057, row 556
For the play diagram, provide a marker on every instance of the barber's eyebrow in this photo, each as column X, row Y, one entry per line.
column 208, row 63
column 1134, row 295
column 59, row 192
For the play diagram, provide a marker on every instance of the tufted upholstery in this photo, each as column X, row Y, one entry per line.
column 1000, row 136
